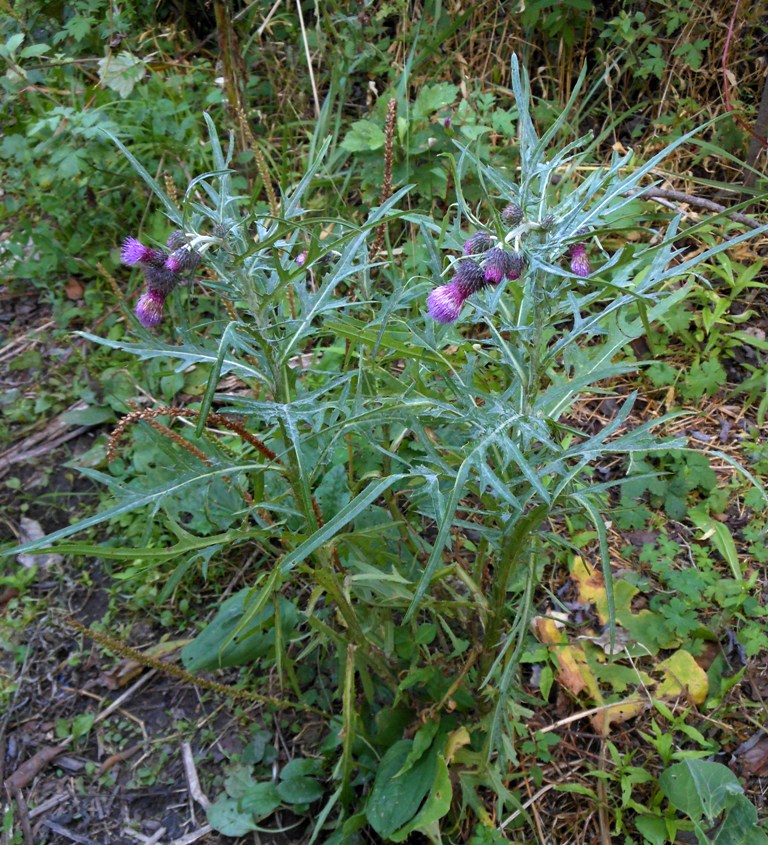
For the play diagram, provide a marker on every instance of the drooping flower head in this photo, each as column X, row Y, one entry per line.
column 149, row 308
column 468, row 277
column 161, row 279
column 499, row 264
column 495, row 265
column 183, row 260
column 162, row 272
column 176, row 240
column 478, row 243
column 515, row 265
column 579, row 260
column 134, row 252
column 444, row 303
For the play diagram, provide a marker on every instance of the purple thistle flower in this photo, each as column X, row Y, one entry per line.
column 479, row 242
column 160, row 280
column 548, row 222
column 176, row 240
column 515, row 265
column 579, row 260
column 301, row 258
column 182, row 260
column 495, row 265
column 512, row 214
column 134, row 252
column 444, row 303
column 149, row 308
column 469, row 277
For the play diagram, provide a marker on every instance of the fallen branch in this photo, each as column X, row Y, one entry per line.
column 698, row 202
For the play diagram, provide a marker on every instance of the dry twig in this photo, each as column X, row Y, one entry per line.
column 193, row 782
column 698, row 202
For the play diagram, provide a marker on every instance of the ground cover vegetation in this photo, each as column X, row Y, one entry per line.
column 412, row 362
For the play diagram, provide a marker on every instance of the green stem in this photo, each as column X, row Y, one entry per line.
column 535, row 351
column 322, row 569
column 511, row 551
column 518, row 635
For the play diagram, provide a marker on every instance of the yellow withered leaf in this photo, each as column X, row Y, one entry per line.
column 617, row 713
column 682, row 673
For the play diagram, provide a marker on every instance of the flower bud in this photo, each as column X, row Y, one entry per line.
column 176, row 240
column 183, row 260
column 479, row 242
column 512, row 214
column 579, row 260
column 548, row 222
column 515, row 265
column 495, row 265
column 160, row 280
column 444, row 303
column 469, row 277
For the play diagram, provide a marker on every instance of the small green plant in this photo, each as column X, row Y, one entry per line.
column 710, row 795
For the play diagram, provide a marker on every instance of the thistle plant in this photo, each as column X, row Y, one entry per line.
column 162, row 272
column 400, row 454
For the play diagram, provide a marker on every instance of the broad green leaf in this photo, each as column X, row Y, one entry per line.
column 92, row 415
column 421, row 742
column 12, row 44
column 227, row 817
column 364, row 136
column 434, row 97
column 82, row 724
column 301, row 767
column 740, row 825
column 653, row 828
column 121, row 73
column 700, row 788
column 435, row 807
column 394, row 801
column 300, row 790
column 219, row 645
column 260, row 800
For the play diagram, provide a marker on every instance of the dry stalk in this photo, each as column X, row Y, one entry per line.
column 180, row 441
column 386, row 187
column 229, row 307
column 112, row 282
column 261, row 162
column 216, row 419
column 229, row 52
column 174, row 671
column 170, row 188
